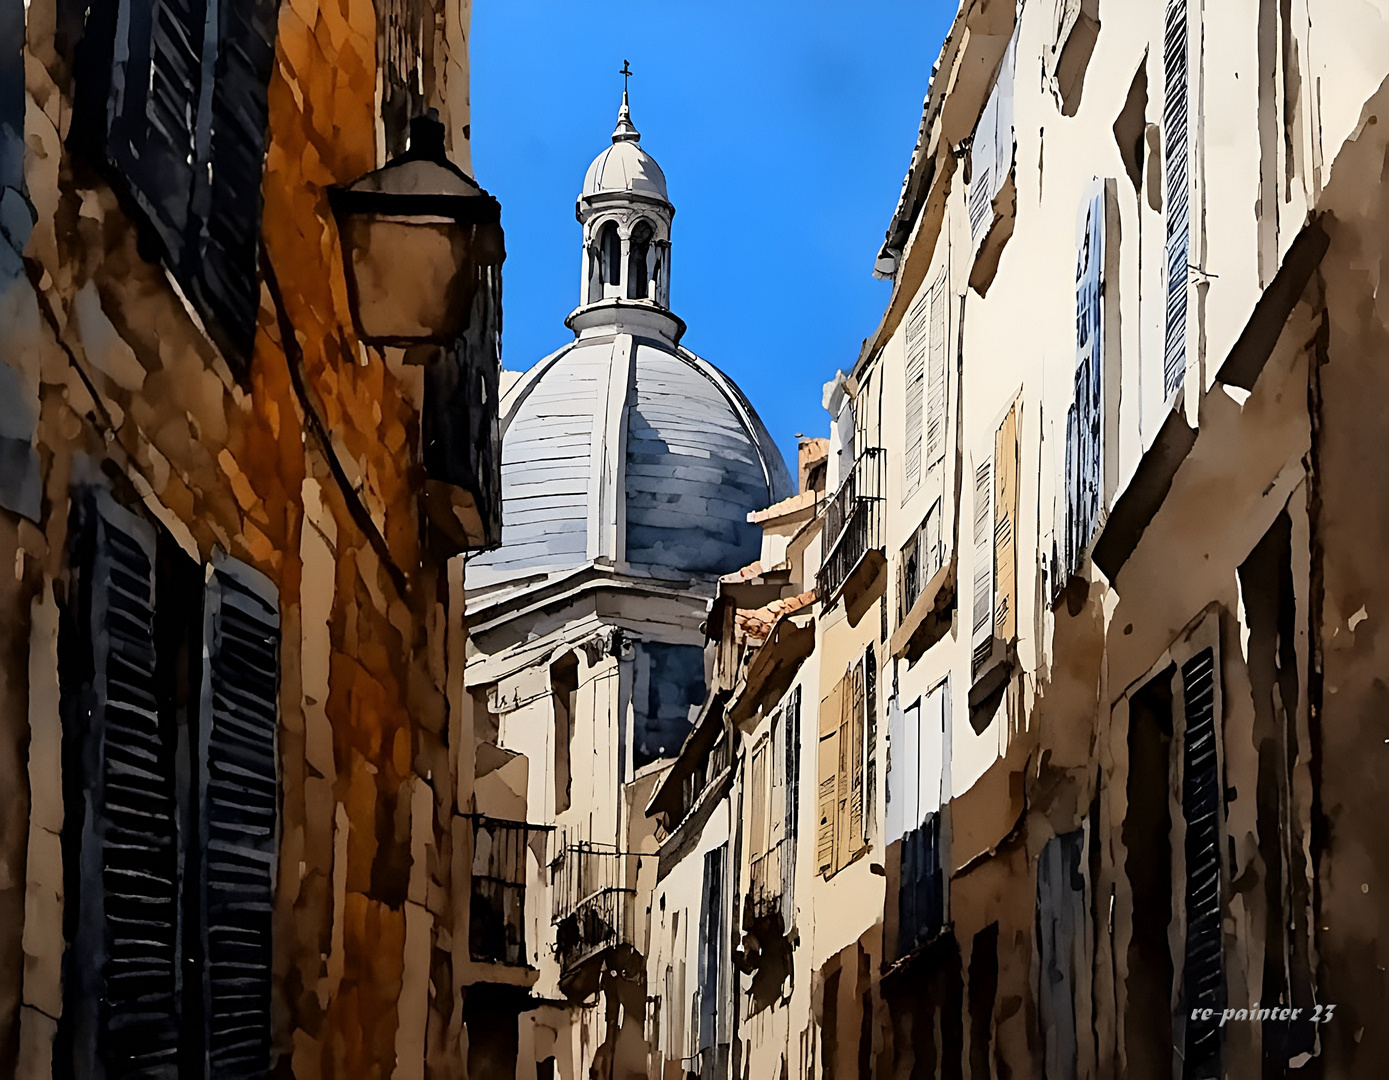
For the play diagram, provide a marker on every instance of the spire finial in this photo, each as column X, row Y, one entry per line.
column 625, row 132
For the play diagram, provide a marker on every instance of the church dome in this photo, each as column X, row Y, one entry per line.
column 633, row 452
column 625, row 167
column 624, row 449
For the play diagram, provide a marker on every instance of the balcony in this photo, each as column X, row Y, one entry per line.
column 853, row 534
column 769, row 894
column 594, row 889
column 497, row 922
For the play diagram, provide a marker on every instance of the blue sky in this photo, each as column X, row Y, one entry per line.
column 784, row 130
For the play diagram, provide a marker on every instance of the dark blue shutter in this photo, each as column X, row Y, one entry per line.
column 122, row 983
column 175, row 107
column 228, row 284
column 239, row 808
column 1176, row 94
column 1203, row 977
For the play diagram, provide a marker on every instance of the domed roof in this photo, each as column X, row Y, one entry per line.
column 632, row 450
column 625, row 167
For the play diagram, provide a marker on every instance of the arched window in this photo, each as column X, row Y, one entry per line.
column 638, row 262
column 610, row 253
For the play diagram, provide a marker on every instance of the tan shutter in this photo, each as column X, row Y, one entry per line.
column 850, row 837
column 829, row 780
column 983, row 561
column 1005, row 527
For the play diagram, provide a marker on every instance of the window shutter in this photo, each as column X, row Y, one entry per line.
column 793, row 763
column 125, row 956
column 1203, row 976
column 1005, row 527
column 851, row 746
column 758, row 839
column 1177, row 138
column 983, row 561
column 935, row 383
column 1085, row 419
column 981, row 165
column 918, row 343
column 1062, row 947
column 228, row 284
column 828, row 797
column 238, row 816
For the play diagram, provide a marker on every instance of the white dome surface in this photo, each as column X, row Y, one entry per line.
column 625, row 167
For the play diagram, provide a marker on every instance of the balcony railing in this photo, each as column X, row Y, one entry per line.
column 594, row 888
column 853, row 522
column 770, row 884
column 497, row 923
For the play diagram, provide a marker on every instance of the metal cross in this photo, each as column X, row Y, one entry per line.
column 626, row 74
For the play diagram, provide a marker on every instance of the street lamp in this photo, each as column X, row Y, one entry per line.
column 418, row 235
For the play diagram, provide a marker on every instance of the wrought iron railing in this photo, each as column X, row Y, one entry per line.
column 497, row 923
column 593, row 887
column 853, row 522
column 770, row 883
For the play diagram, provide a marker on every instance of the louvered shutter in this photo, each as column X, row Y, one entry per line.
column 828, row 795
column 183, row 127
column 239, row 806
column 981, row 166
column 1177, row 139
column 918, row 343
column 759, row 796
column 852, row 750
column 1085, row 419
column 981, row 639
column 793, row 764
column 1203, row 972
column 124, row 986
column 228, row 284
column 1005, row 527
column 935, row 382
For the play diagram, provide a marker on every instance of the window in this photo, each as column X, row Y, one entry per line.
column 497, row 911
column 991, row 153
column 564, row 692
column 639, row 262
column 843, row 751
column 922, row 557
column 173, row 106
column 925, row 390
column 610, row 258
column 710, row 1016
column 1085, row 419
column 1177, row 138
column 1175, row 744
column 995, row 543
column 169, row 699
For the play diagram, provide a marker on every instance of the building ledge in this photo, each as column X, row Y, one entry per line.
column 1140, row 501
column 866, row 582
column 930, row 617
column 773, row 667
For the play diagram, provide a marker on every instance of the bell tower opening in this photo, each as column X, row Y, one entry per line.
column 640, row 262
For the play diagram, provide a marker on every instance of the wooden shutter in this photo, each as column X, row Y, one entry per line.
column 124, row 986
column 1177, row 140
column 981, row 165
column 828, row 795
column 981, row 639
column 239, row 808
column 851, row 748
column 1005, row 527
column 935, row 382
column 793, row 764
column 759, row 799
column 1085, row 418
column 918, row 345
column 1202, row 806
column 228, row 283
